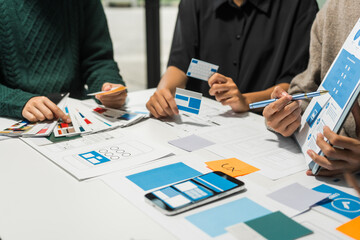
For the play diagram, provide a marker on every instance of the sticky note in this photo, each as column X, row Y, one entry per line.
column 297, row 197
column 340, row 202
column 188, row 101
column 191, row 143
column 113, row 90
column 351, row 228
column 201, row 70
column 162, row 176
column 214, row 221
column 274, row 226
column 232, row 167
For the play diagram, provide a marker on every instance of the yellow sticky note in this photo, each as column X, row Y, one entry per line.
column 351, row 228
column 232, row 166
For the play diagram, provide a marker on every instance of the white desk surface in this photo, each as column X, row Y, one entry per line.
column 40, row 201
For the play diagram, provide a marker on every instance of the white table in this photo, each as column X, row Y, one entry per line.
column 40, row 201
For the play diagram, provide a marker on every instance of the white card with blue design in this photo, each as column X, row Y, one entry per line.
column 188, row 101
column 201, row 70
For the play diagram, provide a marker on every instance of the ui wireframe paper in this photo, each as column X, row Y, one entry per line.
column 188, row 101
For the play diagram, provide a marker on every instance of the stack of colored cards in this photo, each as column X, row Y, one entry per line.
column 188, row 101
column 201, row 70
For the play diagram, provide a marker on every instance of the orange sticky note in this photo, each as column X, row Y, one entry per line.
column 113, row 90
column 232, row 166
column 351, row 228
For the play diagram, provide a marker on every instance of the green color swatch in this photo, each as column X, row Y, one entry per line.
column 278, row 226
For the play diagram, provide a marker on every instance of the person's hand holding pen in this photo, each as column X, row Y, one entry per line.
column 284, row 114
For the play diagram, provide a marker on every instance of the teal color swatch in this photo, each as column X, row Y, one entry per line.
column 277, row 226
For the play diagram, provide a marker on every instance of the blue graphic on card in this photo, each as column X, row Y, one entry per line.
column 343, row 77
column 162, row 176
column 340, row 202
column 314, row 114
column 188, row 101
column 94, row 158
column 201, row 70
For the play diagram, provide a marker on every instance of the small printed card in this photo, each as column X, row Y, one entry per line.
column 201, row 70
column 188, row 101
column 113, row 90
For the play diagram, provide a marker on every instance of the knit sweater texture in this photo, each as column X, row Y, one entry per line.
column 331, row 27
column 52, row 46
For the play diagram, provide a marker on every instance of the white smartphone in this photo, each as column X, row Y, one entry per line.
column 194, row 192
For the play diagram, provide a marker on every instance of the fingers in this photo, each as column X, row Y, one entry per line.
column 56, row 111
column 217, row 78
column 107, row 86
column 286, row 120
column 41, row 108
column 115, row 100
column 279, row 92
column 162, row 104
column 341, row 141
column 332, row 165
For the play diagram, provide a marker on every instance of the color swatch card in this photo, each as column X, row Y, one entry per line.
column 191, row 143
column 63, row 129
column 214, row 221
column 188, row 101
column 201, row 70
column 352, row 228
column 113, row 90
column 298, row 197
column 232, row 167
column 119, row 117
column 274, row 226
column 41, row 129
column 340, row 202
column 18, row 128
column 162, row 176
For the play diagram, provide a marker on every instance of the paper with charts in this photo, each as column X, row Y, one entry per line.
column 274, row 155
column 97, row 154
column 343, row 83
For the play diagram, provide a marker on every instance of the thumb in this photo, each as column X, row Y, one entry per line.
column 107, row 87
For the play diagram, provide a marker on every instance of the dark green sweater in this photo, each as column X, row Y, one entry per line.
column 49, row 46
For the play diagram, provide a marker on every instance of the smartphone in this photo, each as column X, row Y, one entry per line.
column 193, row 192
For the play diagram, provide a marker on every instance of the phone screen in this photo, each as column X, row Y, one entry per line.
column 191, row 191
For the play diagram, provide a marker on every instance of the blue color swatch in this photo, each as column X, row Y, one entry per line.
column 215, row 220
column 162, row 176
column 340, row 202
column 343, row 77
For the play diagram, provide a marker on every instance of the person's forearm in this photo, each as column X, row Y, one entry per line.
column 173, row 78
column 263, row 95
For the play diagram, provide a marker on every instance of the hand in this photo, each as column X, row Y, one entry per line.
column 225, row 91
column 41, row 108
column 162, row 104
column 282, row 116
column 347, row 159
column 112, row 100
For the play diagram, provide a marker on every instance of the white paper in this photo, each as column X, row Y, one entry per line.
column 274, row 155
column 112, row 152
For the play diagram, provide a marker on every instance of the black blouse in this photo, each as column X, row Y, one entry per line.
column 260, row 44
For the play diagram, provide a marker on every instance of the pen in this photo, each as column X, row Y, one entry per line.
column 294, row 97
